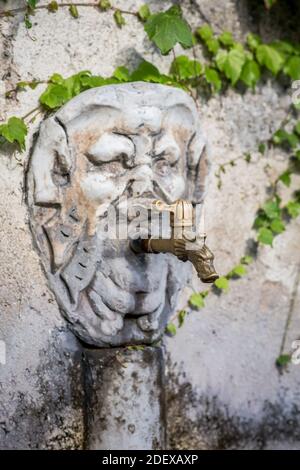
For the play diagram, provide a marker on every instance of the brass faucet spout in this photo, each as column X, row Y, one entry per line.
column 182, row 242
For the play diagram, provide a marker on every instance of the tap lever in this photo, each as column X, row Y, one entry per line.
column 182, row 212
column 183, row 242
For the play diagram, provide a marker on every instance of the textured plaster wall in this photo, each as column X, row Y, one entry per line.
column 224, row 389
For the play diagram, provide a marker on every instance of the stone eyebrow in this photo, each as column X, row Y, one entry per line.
column 167, row 146
column 110, row 146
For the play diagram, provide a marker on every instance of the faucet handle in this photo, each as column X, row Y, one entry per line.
column 182, row 212
column 161, row 206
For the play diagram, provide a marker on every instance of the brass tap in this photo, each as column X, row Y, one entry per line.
column 183, row 243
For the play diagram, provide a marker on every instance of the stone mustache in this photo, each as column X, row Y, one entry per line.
column 138, row 142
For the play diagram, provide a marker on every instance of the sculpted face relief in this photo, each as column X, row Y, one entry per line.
column 117, row 147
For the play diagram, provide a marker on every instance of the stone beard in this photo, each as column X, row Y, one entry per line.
column 138, row 142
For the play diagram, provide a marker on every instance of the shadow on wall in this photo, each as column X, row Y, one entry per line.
column 204, row 423
column 280, row 22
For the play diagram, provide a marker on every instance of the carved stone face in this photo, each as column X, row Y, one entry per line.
column 138, row 142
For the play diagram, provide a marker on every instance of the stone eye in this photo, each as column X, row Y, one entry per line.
column 111, row 147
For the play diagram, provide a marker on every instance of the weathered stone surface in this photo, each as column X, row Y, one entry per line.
column 41, row 404
column 125, row 399
column 228, row 350
column 114, row 148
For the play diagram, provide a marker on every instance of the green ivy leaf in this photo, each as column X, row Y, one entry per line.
column 74, row 11
column 283, row 360
column 293, row 208
column 260, row 221
column 238, row 270
column 277, row 226
column 249, row 55
column 73, row 84
column 205, row 32
column 297, row 128
column 144, row 12
column 233, row 65
column 32, row 4
column 213, row 78
column 146, row 72
column 222, row 283
column 87, row 82
column 271, row 209
column 226, row 39
column 246, row 259
column 253, row 41
column 14, row 131
column 196, row 300
column 168, row 28
column 292, row 68
column 283, row 137
column 27, row 22
column 21, row 86
column 262, row 148
column 33, row 84
column 250, row 73
column 270, row 58
column 104, row 5
column 285, row 47
column 292, row 139
column 194, row 38
column 181, row 317
column 265, row 236
column 56, row 78
column 184, row 68
column 171, row 329
column 54, row 96
column 213, row 45
column 61, row 90
column 122, row 74
column 119, row 18
column 220, row 59
column 286, row 178
column 52, row 6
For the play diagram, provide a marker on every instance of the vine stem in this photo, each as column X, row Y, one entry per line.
column 176, row 65
column 222, row 166
column 32, row 111
column 15, row 90
column 27, row 115
column 187, row 305
column 7, row 13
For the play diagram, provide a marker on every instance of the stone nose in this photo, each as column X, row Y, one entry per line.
column 142, row 180
column 143, row 158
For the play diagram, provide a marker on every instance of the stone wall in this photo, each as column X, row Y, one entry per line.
column 224, row 390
